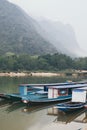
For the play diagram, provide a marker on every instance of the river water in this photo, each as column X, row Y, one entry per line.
column 18, row 116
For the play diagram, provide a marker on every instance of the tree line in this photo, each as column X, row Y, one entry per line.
column 48, row 62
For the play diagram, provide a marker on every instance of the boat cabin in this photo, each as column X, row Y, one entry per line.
column 24, row 89
column 53, row 90
column 64, row 90
column 79, row 95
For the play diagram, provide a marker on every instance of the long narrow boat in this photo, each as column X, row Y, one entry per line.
column 70, row 106
column 55, row 93
column 79, row 100
column 44, row 92
column 28, row 89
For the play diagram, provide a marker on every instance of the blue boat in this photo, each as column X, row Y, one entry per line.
column 70, row 106
column 29, row 89
column 79, row 100
column 44, row 92
column 54, row 93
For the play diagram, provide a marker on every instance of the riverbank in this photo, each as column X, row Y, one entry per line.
column 21, row 74
column 44, row 74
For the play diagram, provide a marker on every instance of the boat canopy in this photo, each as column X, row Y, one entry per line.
column 68, row 86
column 81, row 89
column 48, row 84
column 56, row 85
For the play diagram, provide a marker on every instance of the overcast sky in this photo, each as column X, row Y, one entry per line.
column 72, row 12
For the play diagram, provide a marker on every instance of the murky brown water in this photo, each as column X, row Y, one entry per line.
column 36, row 117
column 18, row 116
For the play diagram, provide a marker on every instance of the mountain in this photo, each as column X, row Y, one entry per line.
column 62, row 36
column 18, row 34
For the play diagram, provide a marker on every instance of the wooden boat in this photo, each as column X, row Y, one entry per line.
column 44, row 92
column 23, row 90
column 55, row 93
column 79, row 100
column 28, row 89
column 70, row 106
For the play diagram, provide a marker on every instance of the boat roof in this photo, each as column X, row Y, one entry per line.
column 53, row 84
column 48, row 84
column 83, row 88
column 69, row 86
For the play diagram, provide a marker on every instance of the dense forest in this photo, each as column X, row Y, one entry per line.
column 48, row 62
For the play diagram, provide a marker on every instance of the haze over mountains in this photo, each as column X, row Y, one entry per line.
column 62, row 36
column 20, row 34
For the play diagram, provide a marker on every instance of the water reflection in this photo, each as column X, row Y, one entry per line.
column 14, row 106
column 11, row 105
column 79, row 116
column 34, row 107
column 37, row 117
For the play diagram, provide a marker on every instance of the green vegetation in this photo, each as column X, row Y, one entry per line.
column 18, row 34
column 48, row 62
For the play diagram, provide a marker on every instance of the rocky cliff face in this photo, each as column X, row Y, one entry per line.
column 18, row 34
column 62, row 36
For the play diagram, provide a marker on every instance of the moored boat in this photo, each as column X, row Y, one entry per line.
column 29, row 89
column 70, row 106
column 44, row 92
column 55, row 93
column 79, row 100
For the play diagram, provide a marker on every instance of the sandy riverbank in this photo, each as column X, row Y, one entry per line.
column 43, row 74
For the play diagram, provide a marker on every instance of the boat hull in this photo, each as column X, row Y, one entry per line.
column 44, row 99
column 70, row 106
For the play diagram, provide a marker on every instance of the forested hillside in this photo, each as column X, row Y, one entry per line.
column 48, row 62
column 18, row 34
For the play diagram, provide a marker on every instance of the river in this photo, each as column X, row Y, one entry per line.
column 18, row 116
